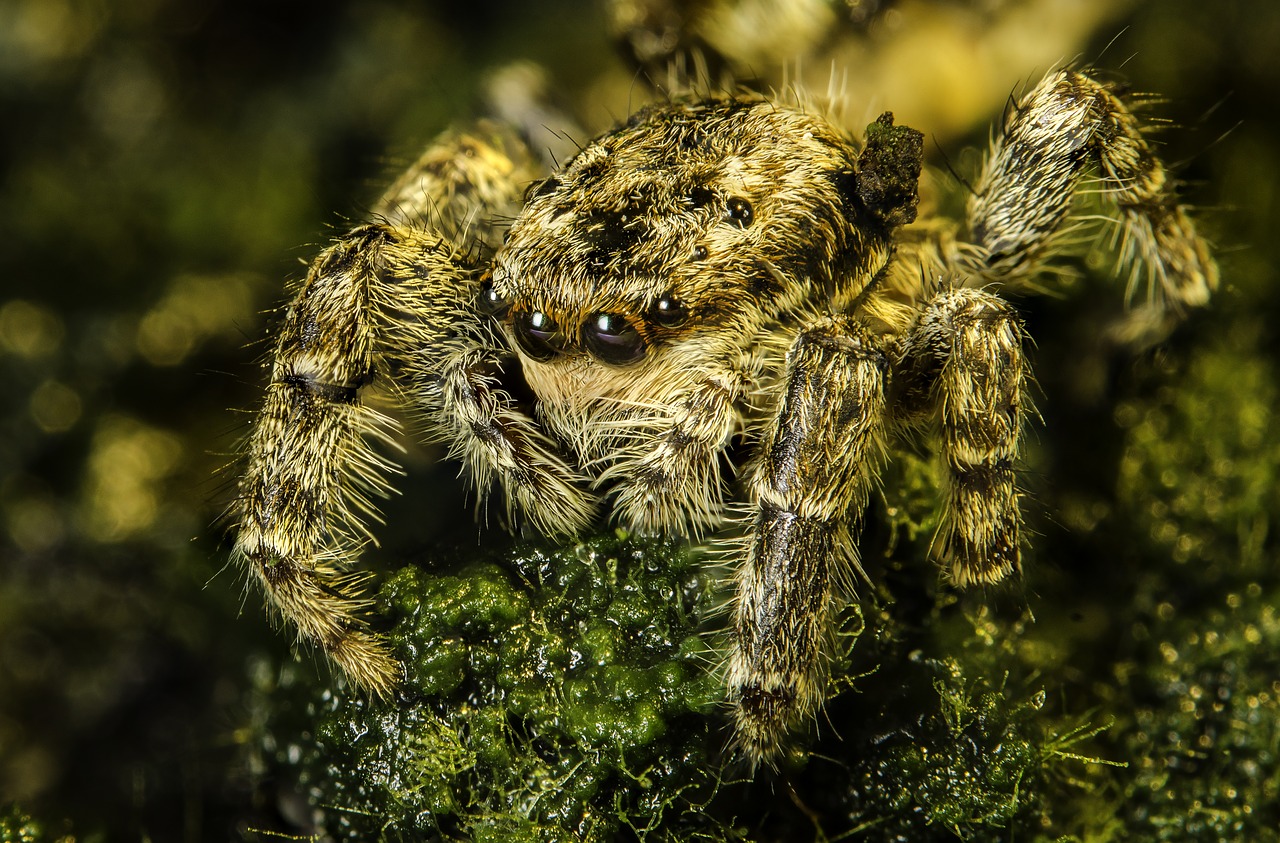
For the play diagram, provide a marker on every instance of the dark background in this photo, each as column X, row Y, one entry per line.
column 166, row 164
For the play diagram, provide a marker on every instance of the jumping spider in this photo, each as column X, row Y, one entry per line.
column 719, row 271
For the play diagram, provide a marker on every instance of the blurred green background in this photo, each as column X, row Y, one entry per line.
column 166, row 164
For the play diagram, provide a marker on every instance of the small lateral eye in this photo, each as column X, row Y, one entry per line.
column 489, row 302
column 740, row 212
column 668, row 311
column 612, row 339
column 538, row 335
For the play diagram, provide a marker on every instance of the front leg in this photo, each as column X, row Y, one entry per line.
column 460, row 396
column 809, row 484
column 312, row 470
column 394, row 299
column 671, row 480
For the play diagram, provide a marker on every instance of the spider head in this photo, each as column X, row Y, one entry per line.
column 693, row 228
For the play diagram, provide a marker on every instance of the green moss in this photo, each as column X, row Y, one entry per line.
column 974, row 762
column 566, row 691
column 951, row 748
column 1206, row 722
column 1198, row 692
column 575, row 697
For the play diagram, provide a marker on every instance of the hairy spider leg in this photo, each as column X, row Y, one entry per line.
column 808, row 483
column 385, row 299
column 1067, row 126
column 962, row 364
column 314, row 470
column 460, row 398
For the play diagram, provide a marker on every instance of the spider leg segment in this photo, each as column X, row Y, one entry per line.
column 962, row 362
column 312, row 468
column 386, row 298
column 809, row 481
column 1067, row 125
column 470, row 183
column 458, row 395
column 672, row 480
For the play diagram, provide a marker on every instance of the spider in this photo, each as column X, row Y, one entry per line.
column 718, row 276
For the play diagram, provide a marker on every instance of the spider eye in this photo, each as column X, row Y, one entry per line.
column 612, row 339
column 740, row 212
column 538, row 335
column 668, row 311
column 489, row 302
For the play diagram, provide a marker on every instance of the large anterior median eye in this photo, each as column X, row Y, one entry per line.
column 538, row 335
column 612, row 339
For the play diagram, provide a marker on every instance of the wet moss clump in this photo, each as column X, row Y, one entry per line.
column 926, row 746
column 982, row 757
column 561, row 691
column 1206, row 724
column 571, row 693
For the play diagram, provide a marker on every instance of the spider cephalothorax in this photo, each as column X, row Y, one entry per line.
column 716, row 272
column 662, row 263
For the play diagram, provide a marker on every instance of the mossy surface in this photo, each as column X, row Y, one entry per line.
column 573, row 692
column 562, row 692
column 1205, row 729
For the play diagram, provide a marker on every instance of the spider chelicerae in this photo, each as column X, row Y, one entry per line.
column 719, row 275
